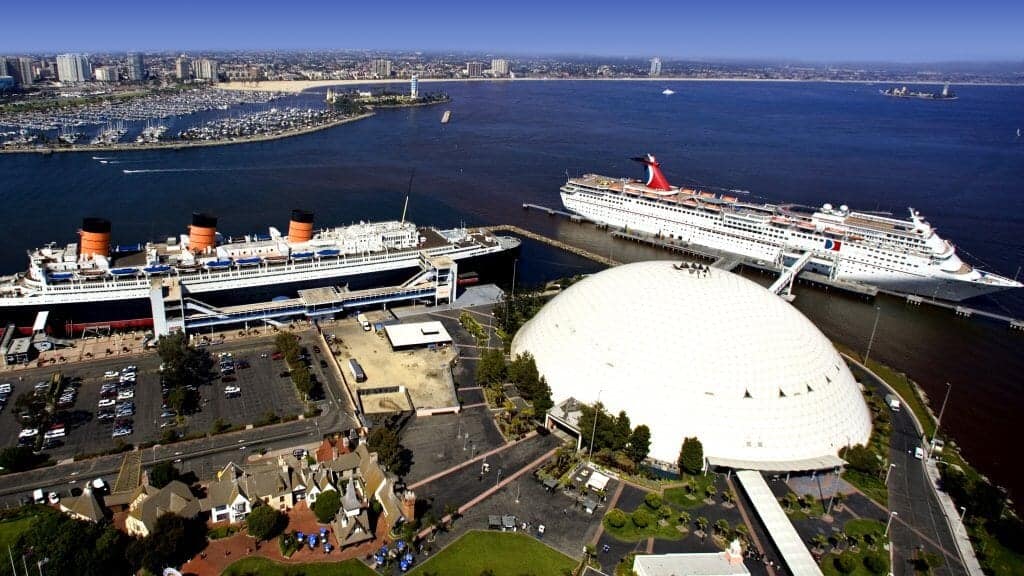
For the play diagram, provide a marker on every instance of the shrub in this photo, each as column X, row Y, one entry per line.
column 846, row 563
column 616, row 518
column 653, row 500
column 641, row 519
column 665, row 511
column 875, row 564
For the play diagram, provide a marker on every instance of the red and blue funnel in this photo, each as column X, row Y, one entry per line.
column 654, row 178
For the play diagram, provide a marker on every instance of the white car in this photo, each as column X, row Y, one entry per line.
column 28, row 433
column 106, row 403
column 109, row 374
column 125, row 395
column 5, row 388
column 232, row 390
column 130, row 368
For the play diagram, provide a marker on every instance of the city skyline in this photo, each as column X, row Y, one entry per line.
column 866, row 32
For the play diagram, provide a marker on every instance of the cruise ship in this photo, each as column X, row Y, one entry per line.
column 905, row 256
column 204, row 261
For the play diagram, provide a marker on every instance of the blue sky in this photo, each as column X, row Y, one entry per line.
column 820, row 30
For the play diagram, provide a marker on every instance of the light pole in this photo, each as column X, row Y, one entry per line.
column 887, row 472
column 871, row 340
column 938, row 422
column 963, row 512
column 39, row 565
column 593, row 433
column 892, row 515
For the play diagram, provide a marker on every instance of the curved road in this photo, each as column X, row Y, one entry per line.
column 919, row 521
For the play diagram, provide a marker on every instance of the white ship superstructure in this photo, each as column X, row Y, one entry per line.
column 204, row 261
column 906, row 256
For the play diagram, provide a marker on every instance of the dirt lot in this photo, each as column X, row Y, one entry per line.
column 423, row 372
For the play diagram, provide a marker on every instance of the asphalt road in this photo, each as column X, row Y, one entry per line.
column 919, row 521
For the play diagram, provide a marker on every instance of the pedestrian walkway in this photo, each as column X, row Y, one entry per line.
column 479, row 458
column 794, row 553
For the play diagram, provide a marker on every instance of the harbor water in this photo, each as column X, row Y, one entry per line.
column 959, row 163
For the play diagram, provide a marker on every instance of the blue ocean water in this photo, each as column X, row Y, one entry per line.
column 959, row 163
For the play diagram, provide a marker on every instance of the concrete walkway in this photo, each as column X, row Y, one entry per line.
column 462, row 465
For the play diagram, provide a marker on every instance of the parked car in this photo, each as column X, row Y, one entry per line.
column 168, row 414
column 106, row 403
column 125, row 395
column 119, row 432
column 111, row 374
column 105, row 415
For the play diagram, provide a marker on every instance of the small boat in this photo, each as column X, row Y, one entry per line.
column 275, row 259
column 61, row 276
column 446, row 117
column 328, row 252
column 249, row 261
column 157, row 269
column 302, row 255
column 124, row 271
column 218, row 264
column 92, row 272
column 668, row 92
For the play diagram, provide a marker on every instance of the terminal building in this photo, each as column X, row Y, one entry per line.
column 700, row 353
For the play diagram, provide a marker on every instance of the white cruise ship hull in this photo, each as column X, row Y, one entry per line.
column 238, row 278
column 903, row 273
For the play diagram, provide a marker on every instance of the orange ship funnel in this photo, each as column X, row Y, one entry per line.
column 94, row 237
column 300, row 229
column 202, row 234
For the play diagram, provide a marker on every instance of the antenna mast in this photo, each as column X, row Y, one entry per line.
column 408, row 192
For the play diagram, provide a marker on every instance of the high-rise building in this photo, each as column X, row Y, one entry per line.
column 414, row 87
column 106, row 74
column 474, row 69
column 136, row 68
column 205, row 69
column 183, row 68
column 499, row 67
column 73, row 68
column 380, row 68
column 655, row 67
column 23, row 71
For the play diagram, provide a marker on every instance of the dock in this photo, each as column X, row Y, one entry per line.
column 552, row 242
column 554, row 212
column 959, row 309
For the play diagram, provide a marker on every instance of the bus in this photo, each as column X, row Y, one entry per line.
column 357, row 370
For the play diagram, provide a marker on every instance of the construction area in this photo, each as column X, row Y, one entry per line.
column 414, row 379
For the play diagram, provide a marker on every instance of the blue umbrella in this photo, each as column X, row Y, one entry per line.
column 300, row 535
column 323, row 531
column 408, row 557
column 400, row 545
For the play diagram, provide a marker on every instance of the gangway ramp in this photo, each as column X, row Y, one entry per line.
column 784, row 284
column 794, row 553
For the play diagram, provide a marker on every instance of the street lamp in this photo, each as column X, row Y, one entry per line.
column 938, row 422
column 871, row 340
column 892, row 515
column 963, row 512
column 887, row 472
column 593, row 433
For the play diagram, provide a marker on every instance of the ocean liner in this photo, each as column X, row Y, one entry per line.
column 204, row 261
column 905, row 256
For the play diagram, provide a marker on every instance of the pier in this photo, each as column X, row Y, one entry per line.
column 552, row 242
column 554, row 212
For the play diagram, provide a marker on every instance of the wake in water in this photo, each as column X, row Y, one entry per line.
column 224, row 169
column 102, row 158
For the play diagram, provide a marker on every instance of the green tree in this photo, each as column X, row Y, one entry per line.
column 265, row 522
column 18, row 458
column 616, row 518
column 639, row 443
column 846, row 563
column 326, row 506
column 653, row 500
column 876, row 564
column 491, row 369
column 74, row 546
column 684, row 518
column 173, row 542
column 384, row 441
column 621, row 432
column 641, row 518
column 691, row 456
column 163, row 474
column 522, row 371
column 862, row 459
column 722, row 527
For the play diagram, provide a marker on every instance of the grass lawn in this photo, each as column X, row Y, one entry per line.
column 862, row 526
column 679, row 498
column 265, row 567
column 870, row 485
column 504, row 553
column 632, row 533
column 829, row 561
column 10, row 530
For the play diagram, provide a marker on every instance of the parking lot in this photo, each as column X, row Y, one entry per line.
column 262, row 391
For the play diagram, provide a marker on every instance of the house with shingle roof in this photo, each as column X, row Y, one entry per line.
column 151, row 503
column 85, row 507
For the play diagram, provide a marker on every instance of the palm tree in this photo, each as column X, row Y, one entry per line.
column 702, row 526
column 819, row 541
column 684, row 518
column 722, row 527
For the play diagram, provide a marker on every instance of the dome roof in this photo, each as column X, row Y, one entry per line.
column 707, row 354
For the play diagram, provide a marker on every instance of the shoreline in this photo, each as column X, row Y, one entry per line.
column 130, row 147
column 298, row 86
